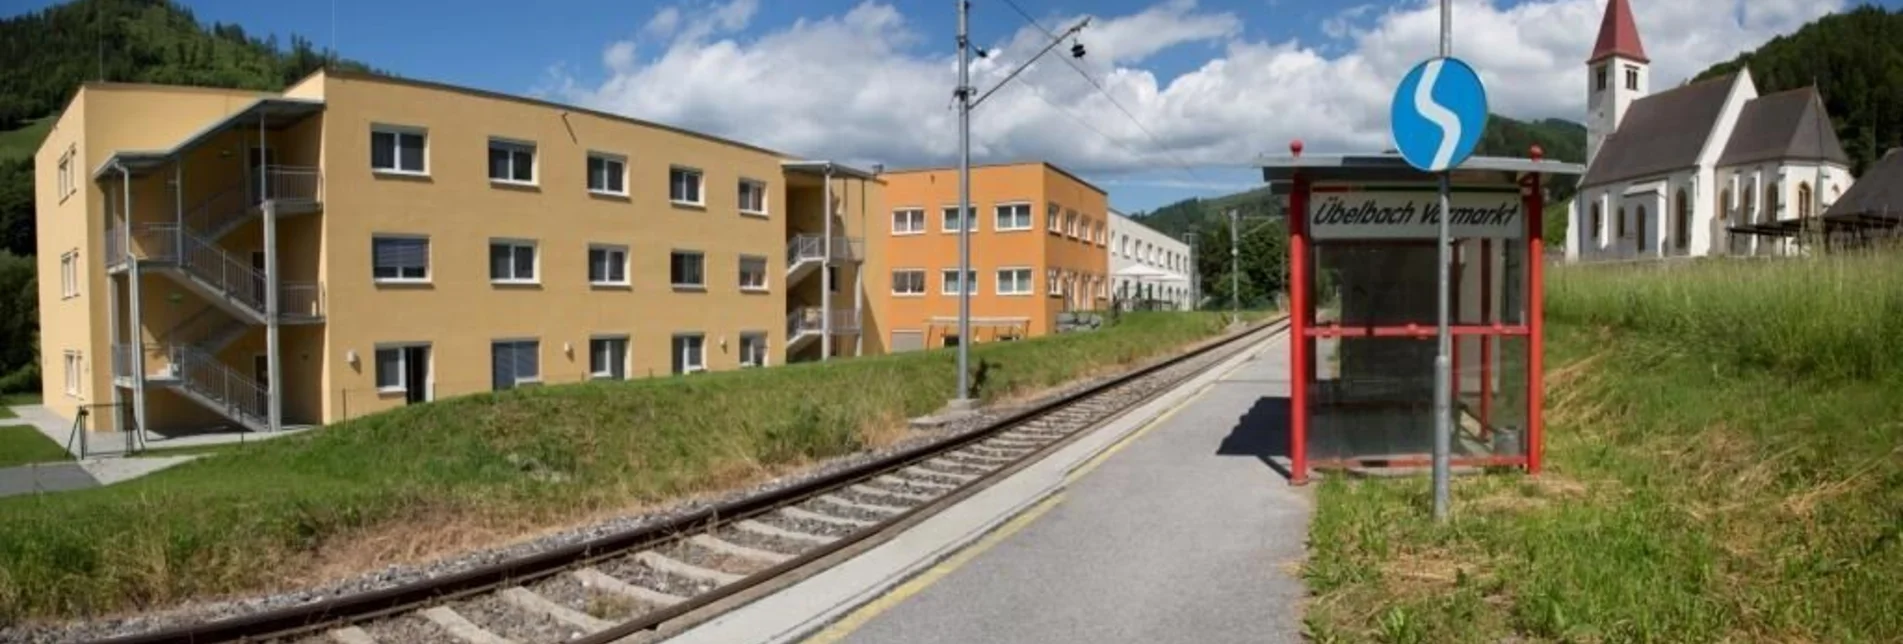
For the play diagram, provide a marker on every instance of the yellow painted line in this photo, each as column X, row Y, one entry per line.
column 840, row 629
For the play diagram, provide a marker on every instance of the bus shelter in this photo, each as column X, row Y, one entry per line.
column 1363, row 289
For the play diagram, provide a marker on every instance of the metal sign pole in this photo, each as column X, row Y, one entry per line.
column 964, row 210
column 1443, row 412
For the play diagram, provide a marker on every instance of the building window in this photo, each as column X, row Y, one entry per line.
column 1724, row 204
column 511, row 261
column 608, row 358
column 607, row 173
column 753, row 273
column 1640, row 224
column 1051, row 283
column 1594, row 226
column 514, row 363
column 69, row 274
column 752, row 197
column 1681, row 222
column 1804, row 199
column 950, row 285
column 390, row 369
column 1103, row 235
column 753, row 349
column 1750, row 204
column 683, row 186
column 73, row 376
column 1631, row 78
column 1014, row 281
column 690, row 353
column 908, row 281
column 686, row 269
column 952, row 223
column 910, row 221
column 1770, row 202
column 511, row 161
column 832, row 279
column 1619, row 225
column 1051, row 217
column 1070, row 224
column 399, row 259
column 1599, row 79
column 67, row 186
column 1016, row 216
column 607, row 265
column 398, row 149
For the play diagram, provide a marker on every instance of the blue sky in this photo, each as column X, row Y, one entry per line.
column 1206, row 84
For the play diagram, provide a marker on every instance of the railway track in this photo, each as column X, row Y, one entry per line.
column 621, row 587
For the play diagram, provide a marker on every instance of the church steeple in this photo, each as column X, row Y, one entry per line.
column 1617, row 73
column 1618, row 35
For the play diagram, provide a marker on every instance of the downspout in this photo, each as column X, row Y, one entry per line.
column 826, row 273
column 859, row 280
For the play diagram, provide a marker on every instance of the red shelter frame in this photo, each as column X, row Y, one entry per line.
column 1295, row 175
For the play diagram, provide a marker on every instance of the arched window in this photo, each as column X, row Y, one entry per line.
column 1747, row 212
column 1724, row 205
column 1618, row 225
column 1804, row 207
column 1770, row 202
column 1682, row 222
column 1594, row 225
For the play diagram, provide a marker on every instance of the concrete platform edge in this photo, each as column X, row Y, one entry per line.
column 810, row 605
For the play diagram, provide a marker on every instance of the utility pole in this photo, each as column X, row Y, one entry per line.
column 1235, row 268
column 1443, row 390
column 964, row 402
column 1195, row 273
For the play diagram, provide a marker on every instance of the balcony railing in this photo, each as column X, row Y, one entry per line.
column 224, row 272
column 300, row 301
column 809, row 247
column 812, row 319
column 285, row 183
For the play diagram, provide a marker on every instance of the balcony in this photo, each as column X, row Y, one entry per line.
column 214, row 273
column 805, row 253
column 812, row 320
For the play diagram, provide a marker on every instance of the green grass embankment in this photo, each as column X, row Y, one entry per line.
column 486, row 468
column 1725, row 463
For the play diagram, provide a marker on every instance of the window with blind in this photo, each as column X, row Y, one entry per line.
column 515, row 363
column 399, row 259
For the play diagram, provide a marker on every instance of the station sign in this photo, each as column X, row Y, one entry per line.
column 1414, row 213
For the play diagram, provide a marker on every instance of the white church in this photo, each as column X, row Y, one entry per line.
column 1670, row 174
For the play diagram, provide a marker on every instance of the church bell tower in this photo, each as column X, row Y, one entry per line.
column 1617, row 74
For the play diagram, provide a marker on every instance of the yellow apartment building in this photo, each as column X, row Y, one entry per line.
column 1038, row 242
column 358, row 242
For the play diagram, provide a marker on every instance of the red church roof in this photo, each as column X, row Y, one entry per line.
column 1618, row 35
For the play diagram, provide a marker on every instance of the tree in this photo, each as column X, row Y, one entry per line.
column 19, row 313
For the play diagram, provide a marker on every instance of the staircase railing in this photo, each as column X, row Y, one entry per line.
column 240, row 397
column 810, row 247
column 219, row 213
column 230, row 276
column 290, row 184
column 810, row 319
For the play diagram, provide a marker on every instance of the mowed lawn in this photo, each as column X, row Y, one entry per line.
column 486, row 468
column 1725, row 463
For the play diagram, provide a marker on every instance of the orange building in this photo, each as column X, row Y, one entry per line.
column 1038, row 249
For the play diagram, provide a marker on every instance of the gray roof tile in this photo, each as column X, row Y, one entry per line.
column 1878, row 191
column 1660, row 133
column 1787, row 125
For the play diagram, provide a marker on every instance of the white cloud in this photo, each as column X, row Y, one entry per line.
column 867, row 86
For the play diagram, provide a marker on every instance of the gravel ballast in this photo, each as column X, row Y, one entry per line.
column 505, row 619
column 416, row 629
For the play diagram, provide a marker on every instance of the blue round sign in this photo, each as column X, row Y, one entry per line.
column 1438, row 113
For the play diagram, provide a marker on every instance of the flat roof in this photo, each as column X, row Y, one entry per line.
column 1003, row 164
column 272, row 111
column 1280, row 171
column 815, row 166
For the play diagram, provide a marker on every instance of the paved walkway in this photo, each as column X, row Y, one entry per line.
column 1185, row 534
column 105, row 462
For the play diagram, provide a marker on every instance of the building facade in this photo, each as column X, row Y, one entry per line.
column 1148, row 269
column 1675, row 173
column 1038, row 249
column 357, row 242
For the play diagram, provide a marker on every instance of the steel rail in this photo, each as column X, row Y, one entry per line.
column 305, row 619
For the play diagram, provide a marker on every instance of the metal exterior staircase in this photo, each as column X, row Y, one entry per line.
column 805, row 324
column 806, row 252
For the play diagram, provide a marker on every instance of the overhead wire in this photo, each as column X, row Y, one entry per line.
column 1180, row 164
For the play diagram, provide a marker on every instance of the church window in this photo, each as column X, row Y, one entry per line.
column 1804, row 208
column 1724, row 204
column 1601, row 78
column 1639, row 226
column 1619, row 224
column 1595, row 221
column 1770, row 202
column 1682, row 222
column 1750, row 203
column 1632, row 78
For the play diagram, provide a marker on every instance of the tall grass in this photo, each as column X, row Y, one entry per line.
column 1838, row 317
column 1725, row 463
column 484, row 468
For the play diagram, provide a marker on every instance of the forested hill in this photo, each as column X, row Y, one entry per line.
column 1856, row 60
column 50, row 52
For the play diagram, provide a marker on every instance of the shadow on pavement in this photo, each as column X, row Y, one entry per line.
column 1261, row 432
